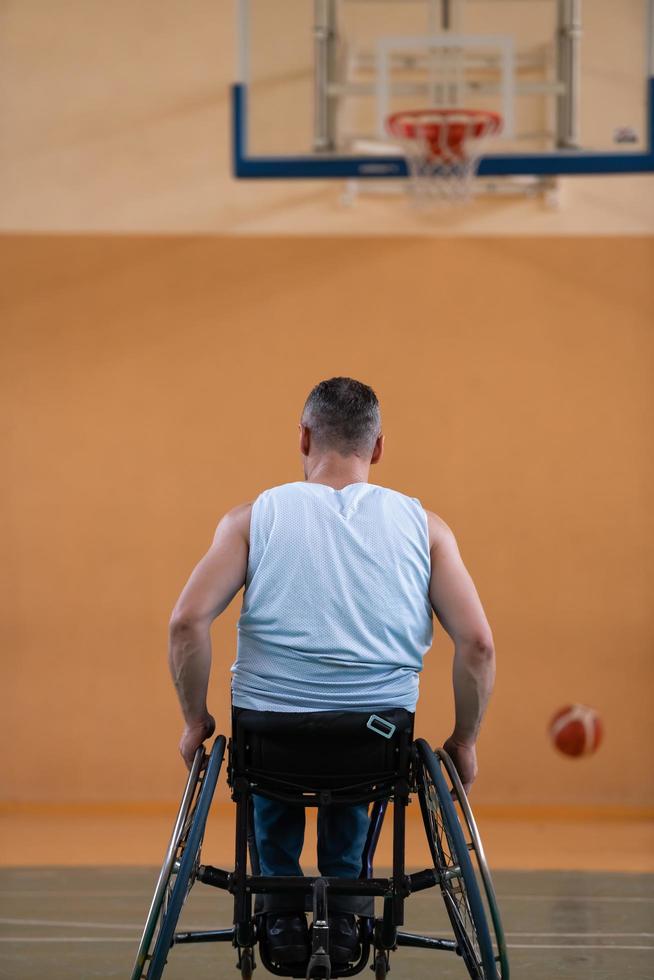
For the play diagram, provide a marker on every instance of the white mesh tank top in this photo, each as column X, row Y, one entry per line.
column 336, row 612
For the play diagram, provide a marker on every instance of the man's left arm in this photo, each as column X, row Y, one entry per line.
column 213, row 583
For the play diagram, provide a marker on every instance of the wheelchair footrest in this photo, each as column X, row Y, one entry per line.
column 204, row 936
column 426, row 942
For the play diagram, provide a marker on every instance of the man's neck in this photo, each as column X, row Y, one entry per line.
column 338, row 477
column 336, row 484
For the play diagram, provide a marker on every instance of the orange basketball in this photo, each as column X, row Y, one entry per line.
column 576, row 730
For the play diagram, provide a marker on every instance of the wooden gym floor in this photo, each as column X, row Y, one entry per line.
column 85, row 922
column 576, row 892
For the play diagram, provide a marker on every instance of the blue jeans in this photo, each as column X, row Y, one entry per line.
column 279, row 834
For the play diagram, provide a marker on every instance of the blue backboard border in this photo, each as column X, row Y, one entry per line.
column 332, row 166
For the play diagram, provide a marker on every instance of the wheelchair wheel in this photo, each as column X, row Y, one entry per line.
column 476, row 850
column 381, row 965
column 246, row 963
column 180, row 865
column 171, row 860
column 453, row 865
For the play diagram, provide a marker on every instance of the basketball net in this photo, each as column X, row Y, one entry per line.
column 442, row 149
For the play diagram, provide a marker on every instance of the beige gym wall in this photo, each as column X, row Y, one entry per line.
column 150, row 384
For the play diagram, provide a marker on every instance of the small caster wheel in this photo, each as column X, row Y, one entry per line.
column 246, row 962
column 381, row 965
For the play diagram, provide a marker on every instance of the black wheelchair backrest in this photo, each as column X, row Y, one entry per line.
column 322, row 756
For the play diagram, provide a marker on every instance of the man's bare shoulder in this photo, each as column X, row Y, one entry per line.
column 238, row 520
column 439, row 531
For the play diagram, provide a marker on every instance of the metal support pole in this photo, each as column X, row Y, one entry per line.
column 446, row 66
column 325, row 75
column 242, row 895
column 319, row 963
column 568, row 37
column 400, row 881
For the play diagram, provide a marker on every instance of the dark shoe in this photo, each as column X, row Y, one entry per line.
column 287, row 936
column 343, row 938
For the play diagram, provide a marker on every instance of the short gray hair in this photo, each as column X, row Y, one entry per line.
column 343, row 415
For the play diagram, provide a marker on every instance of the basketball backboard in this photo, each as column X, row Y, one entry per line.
column 318, row 79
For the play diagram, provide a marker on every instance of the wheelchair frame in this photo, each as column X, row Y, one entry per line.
column 455, row 847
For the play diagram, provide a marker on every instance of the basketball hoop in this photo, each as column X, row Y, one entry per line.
column 443, row 148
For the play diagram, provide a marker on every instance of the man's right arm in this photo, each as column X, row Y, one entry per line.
column 457, row 605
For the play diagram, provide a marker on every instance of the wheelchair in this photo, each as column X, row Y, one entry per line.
column 330, row 758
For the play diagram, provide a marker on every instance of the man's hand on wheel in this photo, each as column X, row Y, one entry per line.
column 193, row 737
column 464, row 757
